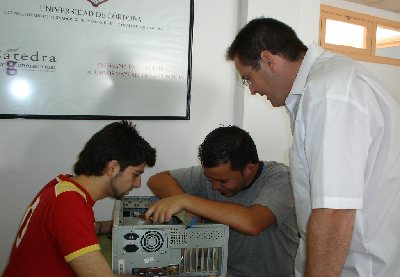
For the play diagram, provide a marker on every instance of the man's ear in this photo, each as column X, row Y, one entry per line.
column 268, row 59
column 112, row 168
column 249, row 168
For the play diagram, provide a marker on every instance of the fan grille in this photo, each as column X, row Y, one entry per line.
column 152, row 241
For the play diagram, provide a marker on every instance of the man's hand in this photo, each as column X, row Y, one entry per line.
column 162, row 210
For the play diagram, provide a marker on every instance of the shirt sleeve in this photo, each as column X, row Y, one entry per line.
column 276, row 192
column 336, row 147
column 192, row 180
column 73, row 223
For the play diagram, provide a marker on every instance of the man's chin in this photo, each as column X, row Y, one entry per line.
column 121, row 196
column 226, row 193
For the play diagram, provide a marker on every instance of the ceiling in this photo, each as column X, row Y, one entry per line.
column 388, row 5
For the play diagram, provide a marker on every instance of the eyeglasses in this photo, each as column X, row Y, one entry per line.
column 247, row 80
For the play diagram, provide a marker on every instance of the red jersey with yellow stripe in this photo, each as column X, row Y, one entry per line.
column 57, row 228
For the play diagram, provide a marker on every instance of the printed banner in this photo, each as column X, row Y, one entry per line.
column 95, row 59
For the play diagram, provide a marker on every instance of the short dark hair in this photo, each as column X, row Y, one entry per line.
column 117, row 141
column 262, row 34
column 228, row 145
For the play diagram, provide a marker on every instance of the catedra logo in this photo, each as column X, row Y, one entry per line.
column 15, row 59
column 96, row 3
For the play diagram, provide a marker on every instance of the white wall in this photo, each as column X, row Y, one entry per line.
column 269, row 126
column 33, row 151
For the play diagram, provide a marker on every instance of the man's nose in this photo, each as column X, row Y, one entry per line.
column 253, row 92
column 215, row 185
column 137, row 182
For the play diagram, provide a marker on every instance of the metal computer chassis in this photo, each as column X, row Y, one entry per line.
column 145, row 249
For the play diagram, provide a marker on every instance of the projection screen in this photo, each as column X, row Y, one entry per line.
column 91, row 59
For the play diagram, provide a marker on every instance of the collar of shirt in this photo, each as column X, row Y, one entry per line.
column 67, row 178
column 258, row 173
column 293, row 99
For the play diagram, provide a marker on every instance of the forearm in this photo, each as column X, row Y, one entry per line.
column 247, row 220
column 328, row 240
column 163, row 185
column 92, row 264
column 103, row 227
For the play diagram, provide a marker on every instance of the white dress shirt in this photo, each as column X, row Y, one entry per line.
column 346, row 155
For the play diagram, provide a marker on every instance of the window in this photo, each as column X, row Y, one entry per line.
column 360, row 36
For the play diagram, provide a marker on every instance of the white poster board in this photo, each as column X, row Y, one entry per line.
column 90, row 59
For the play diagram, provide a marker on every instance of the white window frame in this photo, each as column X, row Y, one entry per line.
column 369, row 22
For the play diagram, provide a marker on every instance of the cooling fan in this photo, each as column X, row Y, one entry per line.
column 152, row 241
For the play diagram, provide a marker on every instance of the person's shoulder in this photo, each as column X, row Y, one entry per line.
column 331, row 66
column 274, row 165
column 68, row 192
column 185, row 169
column 192, row 172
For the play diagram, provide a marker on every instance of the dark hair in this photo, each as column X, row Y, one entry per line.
column 262, row 34
column 228, row 145
column 117, row 141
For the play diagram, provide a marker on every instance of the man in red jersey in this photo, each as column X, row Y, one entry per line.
column 57, row 235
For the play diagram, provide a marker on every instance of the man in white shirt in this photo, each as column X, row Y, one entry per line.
column 345, row 157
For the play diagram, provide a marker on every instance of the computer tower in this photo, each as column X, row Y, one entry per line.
column 145, row 249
